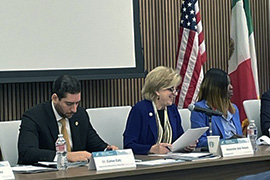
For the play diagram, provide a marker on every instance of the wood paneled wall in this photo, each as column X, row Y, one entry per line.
column 260, row 17
column 159, row 29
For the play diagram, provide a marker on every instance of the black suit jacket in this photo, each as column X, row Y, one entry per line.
column 39, row 131
column 265, row 113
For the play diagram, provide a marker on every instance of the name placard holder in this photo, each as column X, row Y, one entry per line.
column 236, row 147
column 107, row 160
column 6, row 171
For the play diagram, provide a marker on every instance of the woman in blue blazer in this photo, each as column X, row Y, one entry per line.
column 154, row 123
column 215, row 93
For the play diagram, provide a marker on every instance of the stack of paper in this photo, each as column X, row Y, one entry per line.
column 31, row 169
column 187, row 156
column 190, row 156
column 158, row 162
column 43, row 166
column 54, row 164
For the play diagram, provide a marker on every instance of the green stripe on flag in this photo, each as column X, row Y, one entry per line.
column 234, row 2
column 248, row 15
column 247, row 12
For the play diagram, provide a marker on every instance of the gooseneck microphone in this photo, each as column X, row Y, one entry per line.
column 208, row 112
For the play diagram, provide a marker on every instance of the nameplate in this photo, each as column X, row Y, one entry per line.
column 107, row 160
column 236, row 147
column 6, row 171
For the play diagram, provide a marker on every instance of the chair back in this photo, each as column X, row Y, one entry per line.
column 185, row 118
column 110, row 123
column 252, row 108
column 9, row 132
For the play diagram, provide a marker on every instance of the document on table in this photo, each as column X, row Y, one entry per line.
column 187, row 156
column 70, row 164
column 31, row 169
column 189, row 137
column 47, row 164
column 43, row 166
column 192, row 156
column 159, row 162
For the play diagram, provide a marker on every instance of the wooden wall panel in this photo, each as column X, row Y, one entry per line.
column 260, row 16
column 216, row 22
column 160, row 20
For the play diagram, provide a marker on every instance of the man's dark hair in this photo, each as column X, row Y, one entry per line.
column 66, row 84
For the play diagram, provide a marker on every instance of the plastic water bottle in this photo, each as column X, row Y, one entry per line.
column 252, row 134
column 61, row 152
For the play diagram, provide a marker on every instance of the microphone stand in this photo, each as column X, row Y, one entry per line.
column 208, row 112
column 210, row 124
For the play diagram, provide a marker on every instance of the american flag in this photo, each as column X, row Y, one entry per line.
column 191, row 53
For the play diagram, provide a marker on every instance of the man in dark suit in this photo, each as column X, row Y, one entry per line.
column 41, row 125
column 265, row 113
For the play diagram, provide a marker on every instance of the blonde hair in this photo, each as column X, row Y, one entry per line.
column 159, row 78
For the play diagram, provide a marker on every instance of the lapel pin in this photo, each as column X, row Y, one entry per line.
column 76, row 123
column 150, row 114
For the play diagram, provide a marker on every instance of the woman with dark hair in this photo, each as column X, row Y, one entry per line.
column 215, row 93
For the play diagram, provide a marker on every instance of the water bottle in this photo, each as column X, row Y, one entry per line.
column 252, row 134
column 61, row 153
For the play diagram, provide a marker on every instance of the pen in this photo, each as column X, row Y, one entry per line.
column 108, row 148
column 168, row 148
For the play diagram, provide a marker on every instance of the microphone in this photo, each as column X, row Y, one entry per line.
column 208, row 112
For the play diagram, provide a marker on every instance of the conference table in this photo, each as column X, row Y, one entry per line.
column 221, row 168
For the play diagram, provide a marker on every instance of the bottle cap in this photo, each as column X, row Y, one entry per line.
column 251, row 120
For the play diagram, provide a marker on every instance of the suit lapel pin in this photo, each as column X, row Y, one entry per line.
column 76, row 123
column 150, row 114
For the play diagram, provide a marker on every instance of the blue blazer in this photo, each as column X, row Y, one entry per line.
column 202, row 120
column 141, row 128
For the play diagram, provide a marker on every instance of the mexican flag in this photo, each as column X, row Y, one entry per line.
column 243, row 63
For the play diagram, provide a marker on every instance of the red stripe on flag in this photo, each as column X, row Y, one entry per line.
column 198, row 17
column 179, row 41
column 189, row 48
column 201, row 38
column 194, row 81
column 243, row 86
column 203, row 58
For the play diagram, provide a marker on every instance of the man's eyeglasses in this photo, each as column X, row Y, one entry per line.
column 173, row 89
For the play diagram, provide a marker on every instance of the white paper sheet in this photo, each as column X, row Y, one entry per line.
column 31, row 169
column 193, row 156
column 158, row 162
column 70, row 164
column 189, row 137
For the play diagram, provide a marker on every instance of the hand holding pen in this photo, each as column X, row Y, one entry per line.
column 161, row 148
